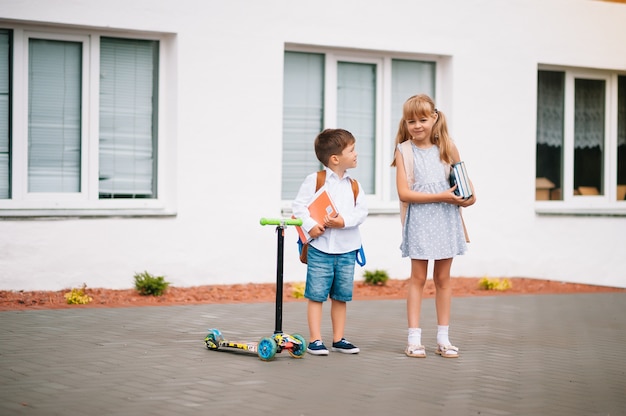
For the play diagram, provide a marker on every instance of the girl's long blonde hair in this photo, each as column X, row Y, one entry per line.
column 419, row 106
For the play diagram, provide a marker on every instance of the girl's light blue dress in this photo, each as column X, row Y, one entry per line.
column 431, row 231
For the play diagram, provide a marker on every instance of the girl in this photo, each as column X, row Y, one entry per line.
column 432, row 228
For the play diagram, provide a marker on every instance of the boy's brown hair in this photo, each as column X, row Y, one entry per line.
column 332, row 142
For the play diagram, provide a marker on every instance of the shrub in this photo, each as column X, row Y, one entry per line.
column 376, row 278
column 494, row 284
column 298, row 290
column 78, row 296
column 147, row 284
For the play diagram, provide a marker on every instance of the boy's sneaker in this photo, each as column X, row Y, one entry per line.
column 344, row 346
column 317, row 347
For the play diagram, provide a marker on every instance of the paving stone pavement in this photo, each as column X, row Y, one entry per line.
column 520, row 355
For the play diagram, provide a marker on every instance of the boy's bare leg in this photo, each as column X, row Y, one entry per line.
column 419, row 269
column 338, row 311
column 314, row 316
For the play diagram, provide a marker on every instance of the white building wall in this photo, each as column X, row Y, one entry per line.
column 225, row 130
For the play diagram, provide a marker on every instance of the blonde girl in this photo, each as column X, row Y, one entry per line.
column 432, row 228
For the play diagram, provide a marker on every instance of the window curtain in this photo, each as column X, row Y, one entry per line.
column 621, row 111
column 589, row 119
column 303, row 108
column 54, row 116
column 621, row 132
column 550, row 108
column 356, row 112
column 550, row 133
column 128, row 114
column 589, row 113
column 5, row 98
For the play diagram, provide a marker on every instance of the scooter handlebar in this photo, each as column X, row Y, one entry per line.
column 281, row 221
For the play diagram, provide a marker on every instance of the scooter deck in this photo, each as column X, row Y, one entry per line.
column 246, row 346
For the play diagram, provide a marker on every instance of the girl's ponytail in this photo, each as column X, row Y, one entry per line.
column 441, row 137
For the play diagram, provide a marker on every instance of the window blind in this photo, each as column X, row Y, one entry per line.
column 128, row 114
column 5, row 79
column 54, row 115
column 356, row 112
column 407, row 79
column 303, row 107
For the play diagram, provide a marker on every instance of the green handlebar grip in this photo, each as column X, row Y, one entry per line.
column 281, row 221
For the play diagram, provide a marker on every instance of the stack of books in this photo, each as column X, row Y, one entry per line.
column 459, row 177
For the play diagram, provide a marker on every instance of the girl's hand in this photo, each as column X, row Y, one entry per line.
column 469, row 201
column 449, row 197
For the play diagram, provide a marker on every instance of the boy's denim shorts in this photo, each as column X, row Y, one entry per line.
column 329, row 274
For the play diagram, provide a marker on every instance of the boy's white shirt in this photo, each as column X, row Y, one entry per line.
column 334, row 240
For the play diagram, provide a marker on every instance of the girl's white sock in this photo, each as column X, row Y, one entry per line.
column 415, row 336
column 442, row 335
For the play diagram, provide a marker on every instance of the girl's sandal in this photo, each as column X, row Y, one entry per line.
column 416, row 351
column 447, row 351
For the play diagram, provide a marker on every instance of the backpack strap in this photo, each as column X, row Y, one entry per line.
column 407, row 158
column 321, row 179
column 355, row 188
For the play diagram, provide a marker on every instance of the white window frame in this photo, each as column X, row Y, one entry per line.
column 87, row 202
column 384, row 200
column 605, row 204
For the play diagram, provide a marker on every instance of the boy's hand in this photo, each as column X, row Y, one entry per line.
column 334, row 222
column 316, row 231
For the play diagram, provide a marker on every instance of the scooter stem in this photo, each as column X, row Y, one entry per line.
column 280, row 233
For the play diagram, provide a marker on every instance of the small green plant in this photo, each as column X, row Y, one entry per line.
column 297, row 290
column 494, row 284
column 376, row 278
column 78, row 296
column 147, row 284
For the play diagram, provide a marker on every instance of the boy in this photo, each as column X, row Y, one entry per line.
column 332, row 252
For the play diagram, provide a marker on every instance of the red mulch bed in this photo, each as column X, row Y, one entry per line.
column 255, row 292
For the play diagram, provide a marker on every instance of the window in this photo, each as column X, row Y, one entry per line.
column 362, row 93
column 581, row 141
column 79, row 123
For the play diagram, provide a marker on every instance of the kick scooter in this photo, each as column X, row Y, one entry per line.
column 267, row 347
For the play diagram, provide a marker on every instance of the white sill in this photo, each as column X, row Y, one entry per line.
column 26, row 214
column 560, row 209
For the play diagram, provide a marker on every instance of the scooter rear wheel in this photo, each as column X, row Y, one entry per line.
column 213, row 338
column 298, row 350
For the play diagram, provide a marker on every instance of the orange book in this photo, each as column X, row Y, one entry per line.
column 320, row 206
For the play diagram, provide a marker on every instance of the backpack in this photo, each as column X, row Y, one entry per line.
column 304, row 247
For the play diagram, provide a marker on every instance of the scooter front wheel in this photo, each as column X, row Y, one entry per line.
column 267, row 349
